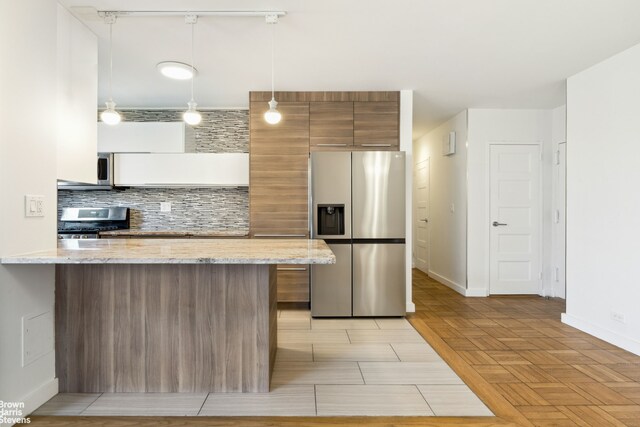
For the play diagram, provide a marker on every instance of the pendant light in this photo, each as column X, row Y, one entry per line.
column 272, row 116
column 192, row 116
column 110, row 116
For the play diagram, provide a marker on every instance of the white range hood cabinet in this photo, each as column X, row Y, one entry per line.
column 181, row 170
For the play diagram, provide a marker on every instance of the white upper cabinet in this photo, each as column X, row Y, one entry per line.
column 77, row 98
column 181, row 170
column 146, row 137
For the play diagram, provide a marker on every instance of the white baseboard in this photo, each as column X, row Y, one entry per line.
column 473, row 292
column 476, row 292
column 453, row 285
column 411, row 307
column 604, row 334
column 39, row 396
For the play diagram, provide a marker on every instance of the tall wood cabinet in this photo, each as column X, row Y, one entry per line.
column 278, row 186
column 279, row 159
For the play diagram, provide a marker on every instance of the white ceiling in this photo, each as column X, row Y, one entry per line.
column 455, row 54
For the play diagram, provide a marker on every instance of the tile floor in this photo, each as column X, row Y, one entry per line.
column 324, row 367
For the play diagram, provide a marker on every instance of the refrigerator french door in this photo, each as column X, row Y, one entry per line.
column 331, row 293
column 358, row 208
column 378, row 227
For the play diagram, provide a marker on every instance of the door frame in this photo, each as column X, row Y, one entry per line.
column 540, row 146
column 558, row 252
column 415, row 216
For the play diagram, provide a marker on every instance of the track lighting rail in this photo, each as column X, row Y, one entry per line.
column 201, row 13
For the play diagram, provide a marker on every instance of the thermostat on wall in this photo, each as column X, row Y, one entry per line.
column 449, row 144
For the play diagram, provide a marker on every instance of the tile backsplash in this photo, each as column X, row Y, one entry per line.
column 211, row 208
column 191, row 208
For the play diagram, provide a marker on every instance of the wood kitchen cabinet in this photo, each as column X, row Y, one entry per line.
column 376, row 125
column 293, row 283
column 278, row 178
column 331, row 125
column 278, row 186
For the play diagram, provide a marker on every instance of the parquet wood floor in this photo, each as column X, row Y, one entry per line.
column 524, row 363
column 514, row 353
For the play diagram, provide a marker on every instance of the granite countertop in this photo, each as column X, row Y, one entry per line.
column 181, row 251
column 175, row 233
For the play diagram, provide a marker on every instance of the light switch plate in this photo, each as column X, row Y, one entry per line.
column 33, row 205
column 165, row 206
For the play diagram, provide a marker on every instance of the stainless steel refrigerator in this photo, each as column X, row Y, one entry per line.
column 358, row 207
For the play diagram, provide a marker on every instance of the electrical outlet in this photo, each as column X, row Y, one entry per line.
column 165, row 206
column 33, row 205
column 452, row 208
column 618, row 317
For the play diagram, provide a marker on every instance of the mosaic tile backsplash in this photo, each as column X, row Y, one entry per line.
column 221, row 131
column 191, row 208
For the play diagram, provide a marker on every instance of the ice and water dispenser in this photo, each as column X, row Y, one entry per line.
column 330, row 220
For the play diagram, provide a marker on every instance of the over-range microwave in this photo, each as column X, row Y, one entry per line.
column 104, row 176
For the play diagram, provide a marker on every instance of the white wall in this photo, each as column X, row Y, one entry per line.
column 27, row 166
column 406, row 129
column 603, row 200
column 487, row 126
column 448, row 186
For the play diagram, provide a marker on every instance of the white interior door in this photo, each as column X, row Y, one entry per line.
column 421, row 216
column 515, row 266
column 560, row 223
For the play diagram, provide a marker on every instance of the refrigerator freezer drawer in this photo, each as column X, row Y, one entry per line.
column 331, row 285
column 379, row 279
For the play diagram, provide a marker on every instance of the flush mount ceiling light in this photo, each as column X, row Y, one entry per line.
column 176, row 70
column 192, row 116
column 272, row 116
column 110, row 116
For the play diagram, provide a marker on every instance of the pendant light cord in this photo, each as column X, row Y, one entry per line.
column 193, row 75
column 111, row 61
column 273, row 53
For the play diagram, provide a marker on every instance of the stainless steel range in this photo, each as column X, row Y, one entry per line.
column 87, row 223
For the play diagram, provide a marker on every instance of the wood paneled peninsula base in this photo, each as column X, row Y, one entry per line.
column 154, row 315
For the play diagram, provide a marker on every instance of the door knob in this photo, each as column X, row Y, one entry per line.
column 497, row 224
column 424, row 220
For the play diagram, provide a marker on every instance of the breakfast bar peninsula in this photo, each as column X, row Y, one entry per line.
column 174, row 315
